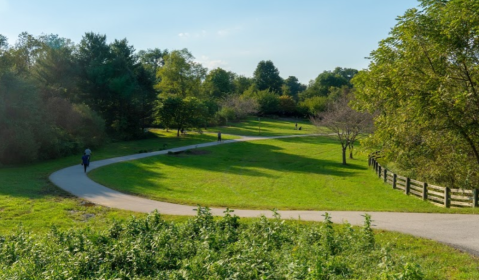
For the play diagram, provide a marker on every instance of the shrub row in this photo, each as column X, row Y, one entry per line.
column 203, row 248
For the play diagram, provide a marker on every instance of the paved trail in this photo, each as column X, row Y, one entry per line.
column 458, row 230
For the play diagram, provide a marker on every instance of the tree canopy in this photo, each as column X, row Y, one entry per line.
column 423, row 83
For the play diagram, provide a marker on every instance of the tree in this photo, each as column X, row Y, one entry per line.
column 237, row 107
column 218, row 83
column 293, row 87
column 241, row 84
column 181, row 113
column 345, row 122
column 266, row 77
column 423, row 81
column 287, row 106
column 180, row 75
column 322, row 84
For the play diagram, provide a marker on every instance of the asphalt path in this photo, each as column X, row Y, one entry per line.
column 458, row 230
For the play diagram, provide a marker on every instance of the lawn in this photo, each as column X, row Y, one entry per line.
column 28, row 198
column 294, row 173
column 269, row 127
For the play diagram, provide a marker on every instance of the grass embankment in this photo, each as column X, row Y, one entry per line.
column 28, row 198
column 295, row 173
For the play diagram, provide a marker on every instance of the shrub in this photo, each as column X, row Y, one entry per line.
column 203, row 248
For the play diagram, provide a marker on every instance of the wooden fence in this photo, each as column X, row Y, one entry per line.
column 441, row 196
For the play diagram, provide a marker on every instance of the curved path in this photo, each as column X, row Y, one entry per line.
column 458, row 230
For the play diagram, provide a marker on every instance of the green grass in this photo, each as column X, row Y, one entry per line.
column 269, row 127
column 27, row 197
column 293, row 173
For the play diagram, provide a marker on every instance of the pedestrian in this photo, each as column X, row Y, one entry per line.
column 296, row 126
column 88, row 153
column 219, row 136
column 85, row 161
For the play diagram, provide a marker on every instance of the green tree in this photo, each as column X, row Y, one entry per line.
column 181, row 113
column 422, row 81
column 266, row 77
column 293, row 87
column 180, row 75
column 241, row 84
column 218, row 83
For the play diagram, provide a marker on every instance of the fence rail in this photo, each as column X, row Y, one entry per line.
column 438, row 195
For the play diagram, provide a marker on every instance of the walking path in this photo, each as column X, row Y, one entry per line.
column 458, row 230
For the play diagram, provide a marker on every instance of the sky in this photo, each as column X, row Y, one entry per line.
column 302, row 38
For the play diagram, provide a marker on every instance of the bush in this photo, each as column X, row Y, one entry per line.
column 203, row 248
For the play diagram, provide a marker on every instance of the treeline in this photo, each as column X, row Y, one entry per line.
column 58, row 97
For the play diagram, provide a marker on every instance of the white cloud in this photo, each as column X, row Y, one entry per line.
column 3, row 6
column 212, row 63
column 187, row 35
column 181, row 35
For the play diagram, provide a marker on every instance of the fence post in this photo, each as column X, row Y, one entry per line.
column 408, row 185
column 369, row 160
column 385, row 175
column 395, row 178
column 474, row 198
column 424, row 191
column 447, row 201
column 379, row 172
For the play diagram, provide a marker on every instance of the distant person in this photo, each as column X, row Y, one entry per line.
column 85, row 161
column 219, row 136
column 296, row 126
column 88, row 153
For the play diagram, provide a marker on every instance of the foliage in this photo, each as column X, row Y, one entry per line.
column 329, row 79
column 202, row 248
column 314, row 105
column 180, row 75
column 266, row 77
column 174, row 111
column 345, row 122
column 268, row 102
column 292, row 87
column 236, row 107
column 218, row 84
column 286, row 106
column 422, row 81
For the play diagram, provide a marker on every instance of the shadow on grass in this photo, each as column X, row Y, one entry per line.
column 250, row 159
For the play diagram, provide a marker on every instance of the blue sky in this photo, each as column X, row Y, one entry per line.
column 303, row 38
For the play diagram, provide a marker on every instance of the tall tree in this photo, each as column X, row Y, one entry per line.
column 266, row 77
column 423, row 81
column 180, row 75
column 218, row 83
column 293, row 87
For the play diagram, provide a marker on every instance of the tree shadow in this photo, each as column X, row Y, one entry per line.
column 255, row 159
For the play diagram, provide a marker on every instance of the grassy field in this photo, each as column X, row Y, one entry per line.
column 269, row 127
column 294, row 173
column 27, row 198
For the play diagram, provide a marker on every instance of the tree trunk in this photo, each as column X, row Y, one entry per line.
column 344, row 155
column 178, row 132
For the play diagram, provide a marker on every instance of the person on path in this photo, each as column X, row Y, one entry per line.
column 85, row 161
column 296, row 126
column 219, row 136
column 88, row 153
